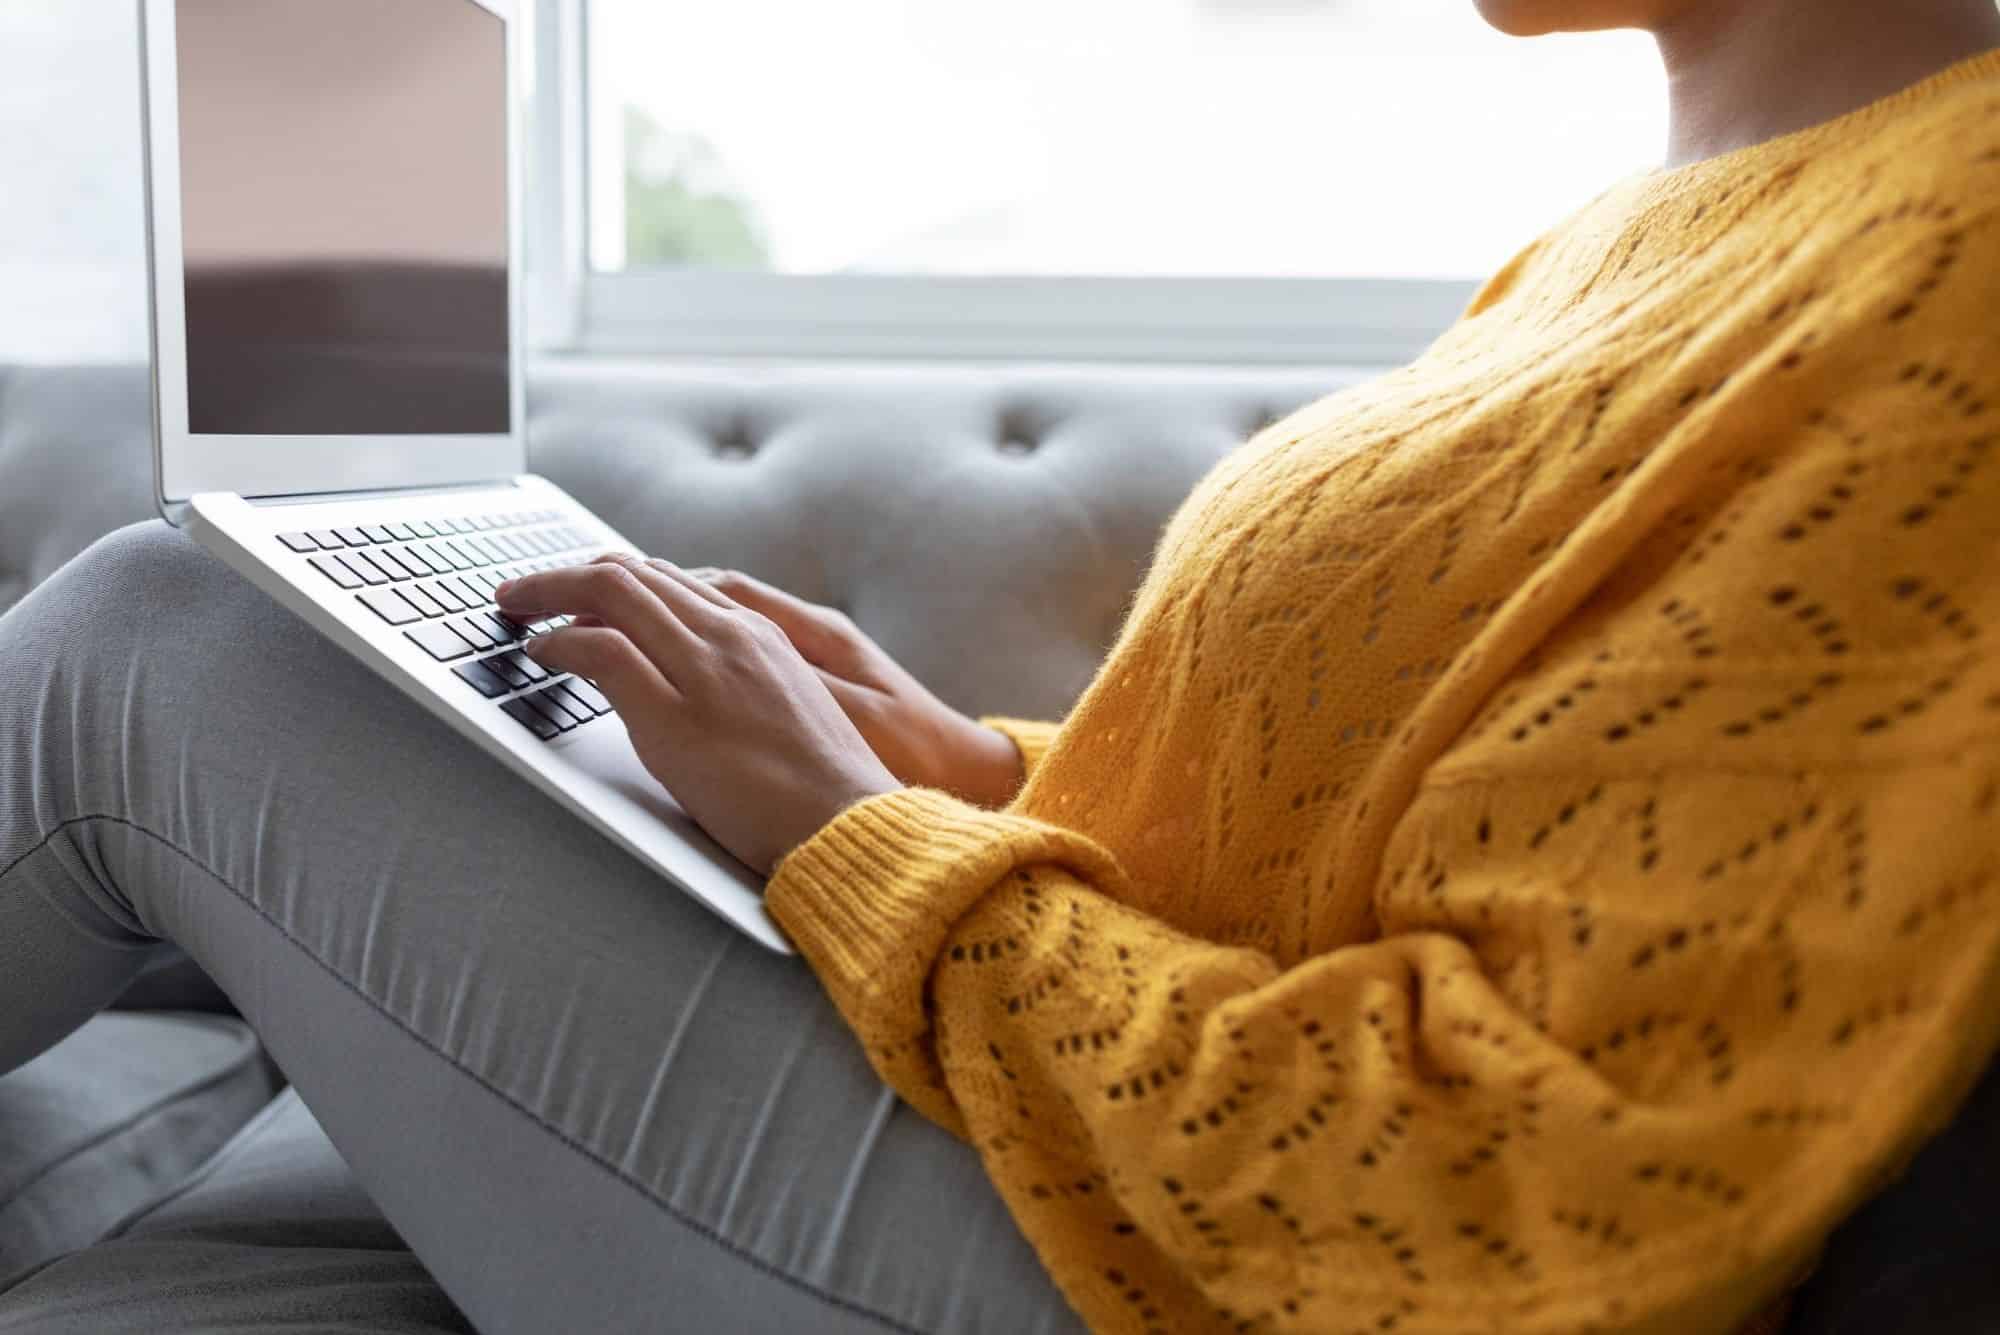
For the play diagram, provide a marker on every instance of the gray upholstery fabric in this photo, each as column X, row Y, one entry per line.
column 75, row 463
column 111, row 1119
column 273, row 1234
column 986, row 525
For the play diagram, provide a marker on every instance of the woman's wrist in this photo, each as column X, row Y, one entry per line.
column 978, row 763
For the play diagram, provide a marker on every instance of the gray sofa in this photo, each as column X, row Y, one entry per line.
column 986, row 525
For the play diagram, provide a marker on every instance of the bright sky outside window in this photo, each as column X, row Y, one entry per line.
column 1289, row 138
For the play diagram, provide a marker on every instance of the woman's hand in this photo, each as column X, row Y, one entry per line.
column 722, row 709
column 922, row 740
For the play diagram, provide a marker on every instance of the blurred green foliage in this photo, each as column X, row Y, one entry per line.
column 680, row 207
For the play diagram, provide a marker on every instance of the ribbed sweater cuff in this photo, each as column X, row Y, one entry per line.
column 871, row 898
column 1030, row 737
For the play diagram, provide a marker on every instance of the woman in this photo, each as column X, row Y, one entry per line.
column 1525, row 865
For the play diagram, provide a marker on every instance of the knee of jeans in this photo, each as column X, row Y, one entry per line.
column 147, row 582
column 150, row 549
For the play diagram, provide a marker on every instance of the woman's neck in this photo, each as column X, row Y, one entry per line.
column 1743, row 71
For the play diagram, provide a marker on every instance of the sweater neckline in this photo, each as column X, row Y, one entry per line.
column 1985, row 64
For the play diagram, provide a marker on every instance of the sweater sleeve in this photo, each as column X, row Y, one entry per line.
column 1032, row 739
column 1439, row 1121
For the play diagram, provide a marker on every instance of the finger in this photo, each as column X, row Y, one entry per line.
column 810, row 627
column 845, row 693
column 613, row 593
column 638, row 689
column 699, row 613
column 700, row 588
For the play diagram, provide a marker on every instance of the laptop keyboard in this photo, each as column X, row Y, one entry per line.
column 435, row 579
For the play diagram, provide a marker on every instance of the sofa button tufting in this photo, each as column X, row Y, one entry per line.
column 1020, row 430
column 734, row 443
column 1262, row 420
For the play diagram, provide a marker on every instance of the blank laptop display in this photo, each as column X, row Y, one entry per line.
column 343, row 177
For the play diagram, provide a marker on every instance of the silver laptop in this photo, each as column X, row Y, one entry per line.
column 334, row 222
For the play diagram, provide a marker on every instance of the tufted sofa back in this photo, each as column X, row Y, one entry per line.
column 987, row 526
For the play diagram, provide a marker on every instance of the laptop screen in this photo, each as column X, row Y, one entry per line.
column 344, row 216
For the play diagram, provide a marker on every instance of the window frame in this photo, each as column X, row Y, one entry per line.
column 703, row 313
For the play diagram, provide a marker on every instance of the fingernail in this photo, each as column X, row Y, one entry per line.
column 532, row 647
column 505, row 589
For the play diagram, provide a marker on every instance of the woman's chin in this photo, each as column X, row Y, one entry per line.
column 1535, row 18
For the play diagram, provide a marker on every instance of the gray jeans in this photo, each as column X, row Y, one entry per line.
column 584, row 1102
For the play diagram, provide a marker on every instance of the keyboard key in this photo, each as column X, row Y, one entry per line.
column 571, row 701
column 515, row 549
column 531, row 718
column 327, row 538
column 488, row 554
column 460, row 525
column 508, row 668
column 353, row 537
column 374, row 561
column 439, row 640
column 367, row 570
column 401, row 532
column 481, row 637
column 414, row 558
column 476, row 593
column 414, row 594
column 597, row 700
column 482, row 679
column 442, row 594
column 395, row 565
column 336, row 570
column 460, row 555
column 390, row 606
column 442, row 553
column 529, row 667
column 508, row 631
column 299, row 542
column 559, row 715
column 376, row 533
column 423, row 528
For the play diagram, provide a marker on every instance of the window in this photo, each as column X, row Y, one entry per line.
column 1243, row 179
column 72, row 226
column 1249, row 138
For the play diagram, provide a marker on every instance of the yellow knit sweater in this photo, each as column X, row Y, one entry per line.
column 1529, row 860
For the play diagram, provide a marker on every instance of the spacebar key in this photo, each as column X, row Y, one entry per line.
column 439, row 641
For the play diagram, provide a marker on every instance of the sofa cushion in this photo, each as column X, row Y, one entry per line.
column 76, row 461
column 273, row 1234
column 111, row 1119
column 987, row 525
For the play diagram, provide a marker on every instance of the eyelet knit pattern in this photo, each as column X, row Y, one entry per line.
column 1529, row 862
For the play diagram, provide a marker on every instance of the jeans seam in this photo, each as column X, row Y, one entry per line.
column 562, row 1137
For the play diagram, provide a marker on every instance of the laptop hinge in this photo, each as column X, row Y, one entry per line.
column 435, row 489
